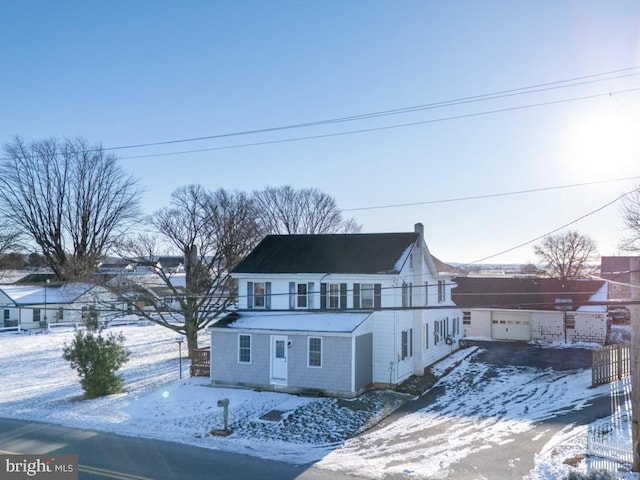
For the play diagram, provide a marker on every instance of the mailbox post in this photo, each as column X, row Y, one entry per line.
column 224, row 403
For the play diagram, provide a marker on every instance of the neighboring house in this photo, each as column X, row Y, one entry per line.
column 336, row 313
column 29, row 306
column 147, row 292
column 621, row 273
column 544, row 309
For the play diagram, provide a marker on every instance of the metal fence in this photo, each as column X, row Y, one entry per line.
column 610, row 364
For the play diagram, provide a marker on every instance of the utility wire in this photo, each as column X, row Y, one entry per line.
column 491, row 195
column 552, row 231
column 387, row 127
column 446, row 103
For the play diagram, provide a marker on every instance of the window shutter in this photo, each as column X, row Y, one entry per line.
column 323, row 296
column 343, row 296
column 311, row 295
column 411, row 342
column 356, row 295
column 292, row 295
column 249, row 294
column 377, row 296
column 267, row 295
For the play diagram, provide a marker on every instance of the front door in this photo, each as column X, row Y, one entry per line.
column 278, row 360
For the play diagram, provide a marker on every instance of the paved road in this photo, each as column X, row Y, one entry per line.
column 111, row 456
column 106, row 456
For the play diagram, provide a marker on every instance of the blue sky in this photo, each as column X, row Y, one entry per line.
column 124, row 73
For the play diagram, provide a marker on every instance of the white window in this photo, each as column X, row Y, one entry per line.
column 244, row 348
column 334, row 295
column 407, row 294
column 258, row 295
column 302, row 292
column 366, row 295
column 407, row 343
column 314, row 352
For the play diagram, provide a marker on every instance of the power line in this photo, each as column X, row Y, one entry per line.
column 552, row 231
column 445, row 103
column 386, row 127
column 491, row 195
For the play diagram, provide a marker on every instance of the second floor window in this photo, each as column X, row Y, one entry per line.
column 366, row 295
column 259, row 295
column 334, row 295
column 302, row 295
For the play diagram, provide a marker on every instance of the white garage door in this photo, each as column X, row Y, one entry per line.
column 510, row 326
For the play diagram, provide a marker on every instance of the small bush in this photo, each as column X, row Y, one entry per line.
column 97, row 359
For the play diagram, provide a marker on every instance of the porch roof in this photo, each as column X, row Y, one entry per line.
column 321, row 322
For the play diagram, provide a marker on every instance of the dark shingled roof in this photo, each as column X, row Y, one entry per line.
column 329, row 253
column 524, row 293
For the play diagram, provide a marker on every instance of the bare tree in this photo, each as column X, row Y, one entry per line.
column 71, row 198
column 630, row 212
column 284, row 210
column 213, row 231
column 567, row 255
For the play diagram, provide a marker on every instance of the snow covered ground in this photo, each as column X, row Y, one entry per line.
column 39, row 385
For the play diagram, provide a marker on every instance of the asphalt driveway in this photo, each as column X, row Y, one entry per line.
column 486, row 419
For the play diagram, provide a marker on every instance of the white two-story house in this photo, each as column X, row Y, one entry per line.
column 336, row 313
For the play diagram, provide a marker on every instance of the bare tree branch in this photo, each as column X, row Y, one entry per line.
column 567, row 255
column 71, row 198
column 286, row 211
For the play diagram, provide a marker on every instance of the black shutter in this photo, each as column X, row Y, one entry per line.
column 323, row 296
column 267, row 295
column 356, row 296
column 249, row 294
column 377, row 296
column 343, row 296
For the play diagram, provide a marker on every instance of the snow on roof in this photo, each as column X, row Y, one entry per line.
column 35, row 295
column 600, row 296
column 297, row 321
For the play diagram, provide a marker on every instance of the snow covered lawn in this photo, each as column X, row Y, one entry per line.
column 482, row 406
column 39, row 385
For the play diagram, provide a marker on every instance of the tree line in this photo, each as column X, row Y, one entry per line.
column 75, row 203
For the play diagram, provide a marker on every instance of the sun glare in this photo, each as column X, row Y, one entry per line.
column 604, row 144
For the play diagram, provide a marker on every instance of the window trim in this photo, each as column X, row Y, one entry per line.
column 319, row 353
column 302, row 296
column 333, row 294
column 244, row 349
column 367, row 294
column 406, row 344
column 262, row 296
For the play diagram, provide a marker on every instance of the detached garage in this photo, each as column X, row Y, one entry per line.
column 510, row 325
column 548, row 310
